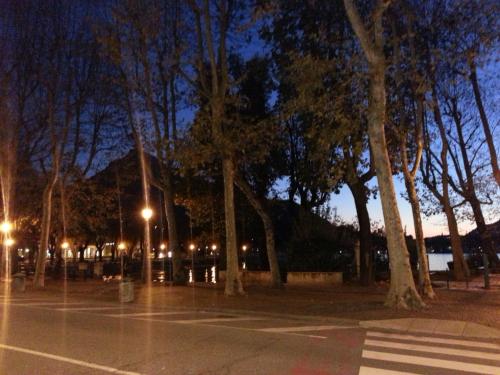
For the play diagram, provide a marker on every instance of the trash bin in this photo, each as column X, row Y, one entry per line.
column 19, row 282
column 126, row 291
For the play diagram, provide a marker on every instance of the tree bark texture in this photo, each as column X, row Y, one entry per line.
column 484, row 120
column 365, row 248
column 460, row 268
column 402, row 291
column 268, row 229
column 423, row 264
column 233, row 280
column 39, row 278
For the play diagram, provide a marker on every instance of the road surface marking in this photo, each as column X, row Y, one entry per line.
column 90, row 308
column 94, row 366
column 433, row 349
column 133, row 315
column 477, row 344
column 305, row 328
column 47, row 303
column 379, row 371
column 431, row 362
column 215, row 320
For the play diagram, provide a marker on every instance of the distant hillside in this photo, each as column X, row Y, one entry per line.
column 441, row 244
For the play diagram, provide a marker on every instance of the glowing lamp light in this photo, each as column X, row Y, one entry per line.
column 6, row 227
column 9, row 242
column 244, row 247
column 65, row 245
column 147, row 213
column 191, row 247
column 163, row 246
column 121, row 246
column 169, row 254
column 214, row 247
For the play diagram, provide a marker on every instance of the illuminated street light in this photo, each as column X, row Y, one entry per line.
column 169, row 254
column 65, row 245
column 121, row 246
column 6, row 227
column 244, row 247
column 9, row 242
column 147, row 213
column 192, row 247
column 163, row 246
column 214, row 247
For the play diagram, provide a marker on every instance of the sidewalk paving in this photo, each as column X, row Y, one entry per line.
column 472, row 312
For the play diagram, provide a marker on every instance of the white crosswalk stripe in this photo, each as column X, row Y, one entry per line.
column 398, row 354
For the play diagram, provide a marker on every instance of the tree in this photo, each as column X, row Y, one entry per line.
column 213, row 21
column 322, row 110
column 402, row 292
column 147, row 32
column 410, row 130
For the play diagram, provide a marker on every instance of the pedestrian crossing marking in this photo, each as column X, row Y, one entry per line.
column 432, row 362
column 463, row 351
column 438, row 340
column 434, row 349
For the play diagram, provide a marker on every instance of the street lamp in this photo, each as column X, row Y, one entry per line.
column 192, row 247
column 147, row 213
column 9, row 242
column 6, row 227
column 169, row 255
column 244, row 248
column 121, row 246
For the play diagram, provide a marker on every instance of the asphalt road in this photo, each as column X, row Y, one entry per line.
column 87, row 337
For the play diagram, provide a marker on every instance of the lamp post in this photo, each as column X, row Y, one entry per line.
column 121, row 247
column 6, row 228
column 214, row 253
column 169, row 254
column 192, row 247
column 147, row 214
column 244, row 248
column 65, row 247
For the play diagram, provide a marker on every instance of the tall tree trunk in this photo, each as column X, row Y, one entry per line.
column 484, row 120
column 39, row 279
column 402, row 292
column 268, row 229
column 146, row 261
column 484, row 233
column 367, row 275
column 460, row 267
column 233, row 280
column 423, row 264
column 178, row 276
column 469, row 190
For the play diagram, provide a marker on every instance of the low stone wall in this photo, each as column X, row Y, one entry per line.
column 314, row 278
column 250, row 277
column 293, row 278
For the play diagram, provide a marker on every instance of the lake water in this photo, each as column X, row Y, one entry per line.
column 439, row 262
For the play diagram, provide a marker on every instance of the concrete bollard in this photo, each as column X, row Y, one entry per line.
column 19, row 282
column 126, row 291
column 98, row 269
